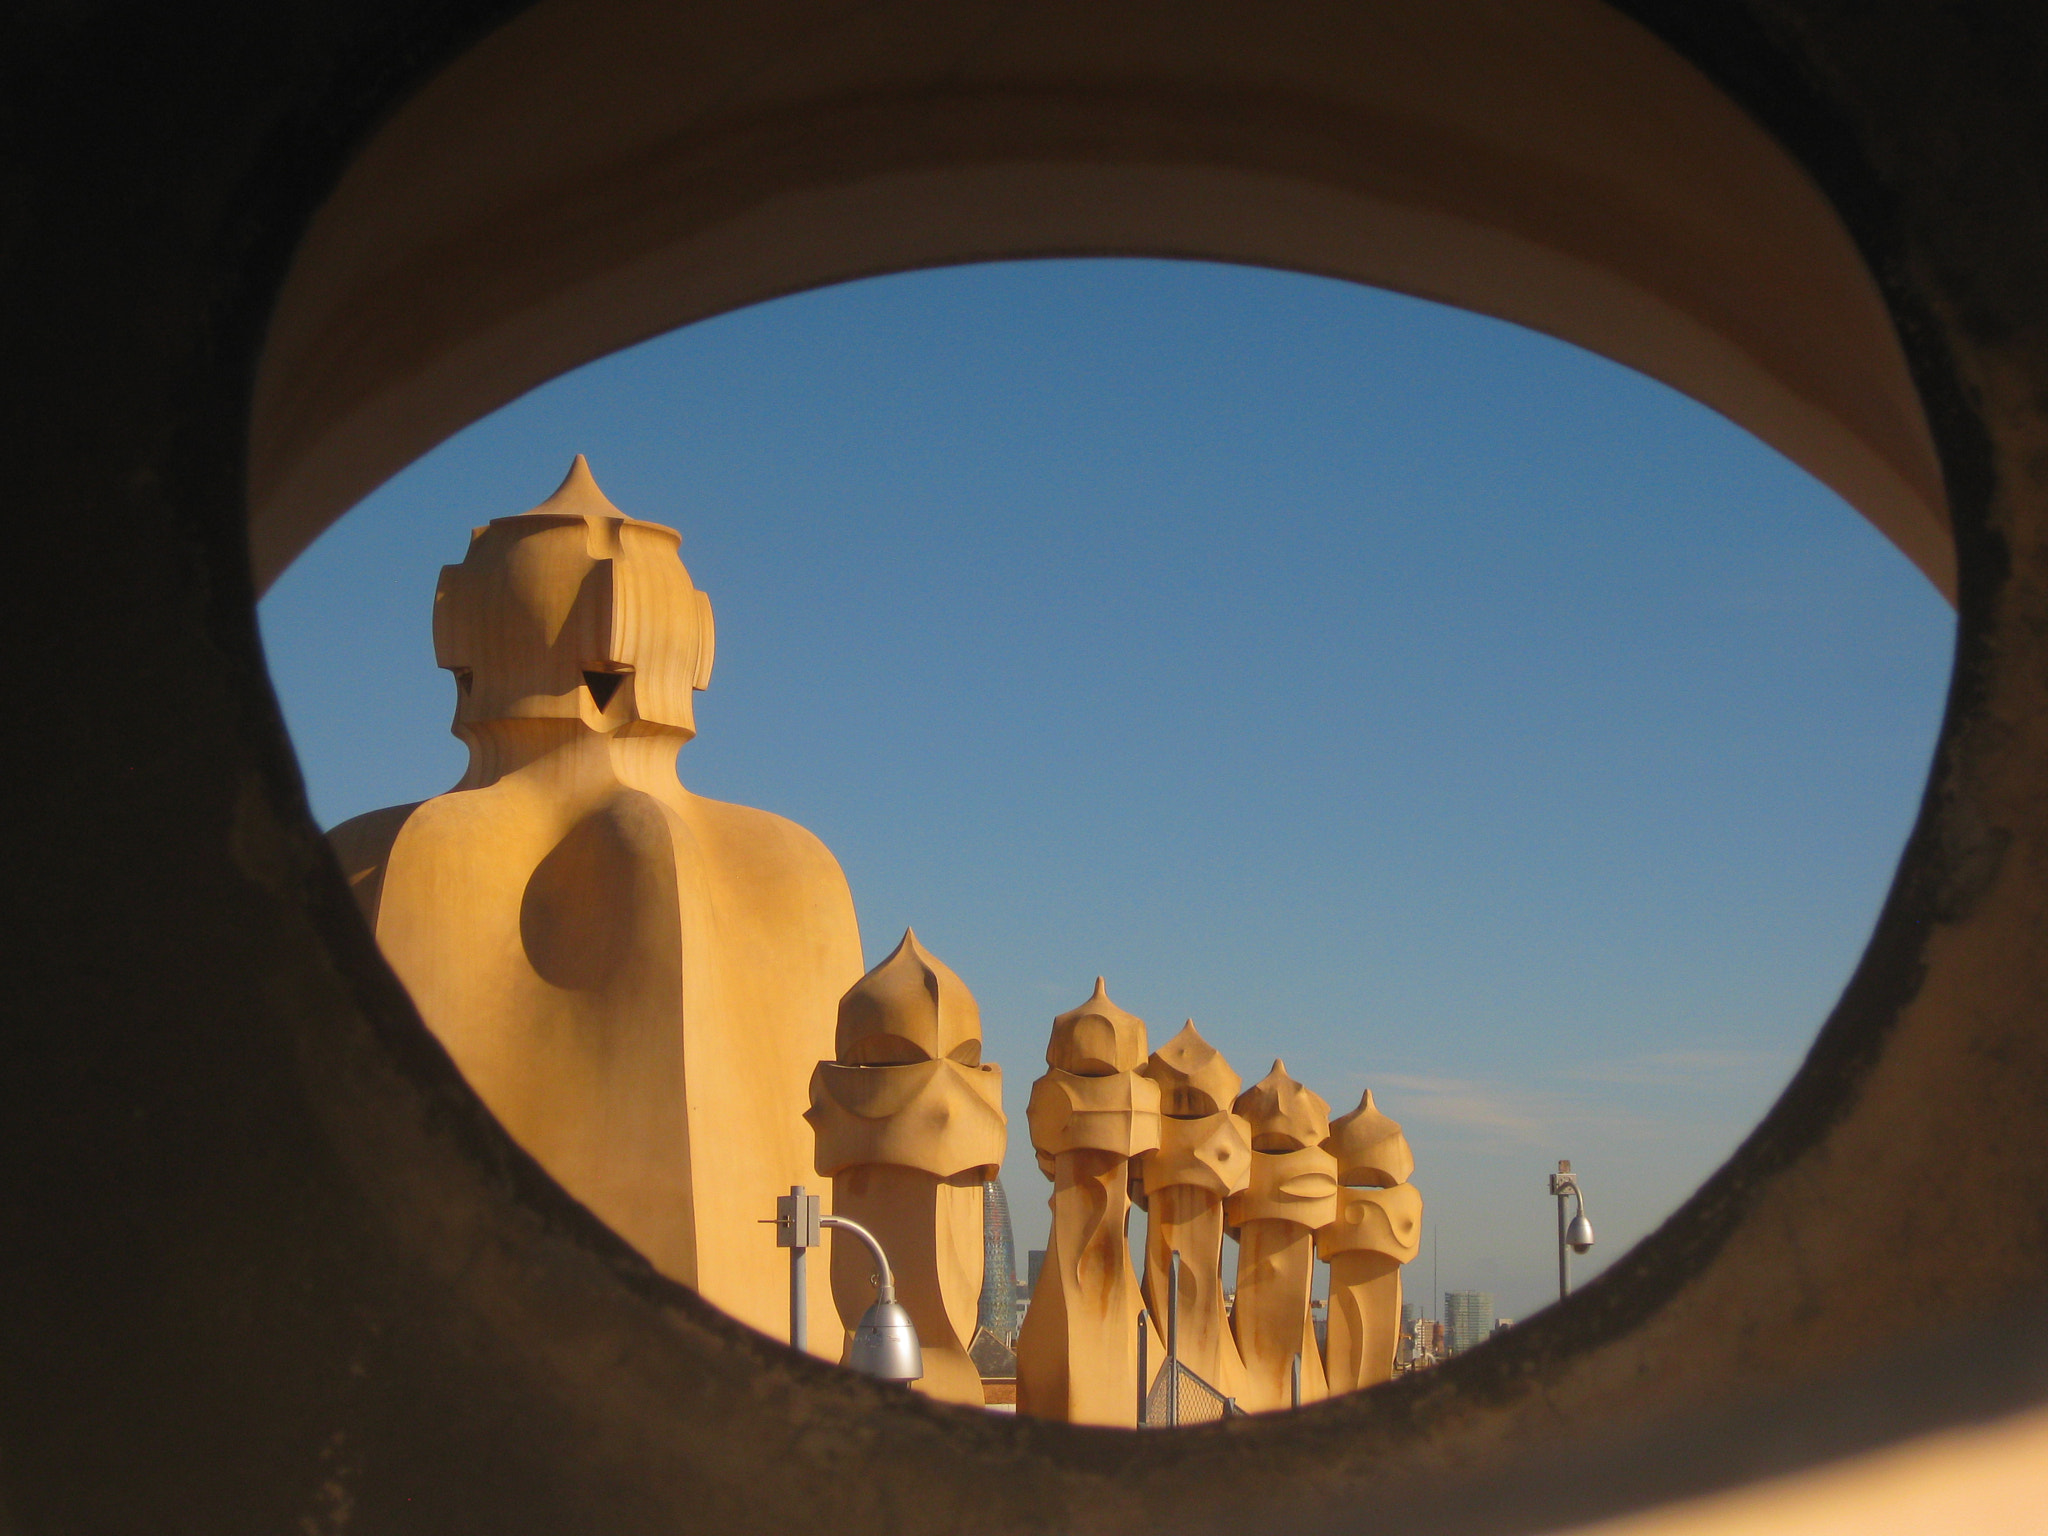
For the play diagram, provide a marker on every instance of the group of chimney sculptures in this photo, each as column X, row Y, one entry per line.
column 639, row 982
column 1170, row 1131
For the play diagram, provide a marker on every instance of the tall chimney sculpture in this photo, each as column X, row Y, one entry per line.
column 1203, row 1157
column 1376, row 1229
column 1292, row 1193
column 909, row 1126
column 1090, row 1114
column 636, row 979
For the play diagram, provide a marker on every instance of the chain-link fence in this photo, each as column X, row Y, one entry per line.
column 1179, row 1396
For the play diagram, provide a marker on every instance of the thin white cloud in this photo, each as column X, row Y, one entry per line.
column 1466, row 1104
column 1712, row 1068
column 1537, row 1112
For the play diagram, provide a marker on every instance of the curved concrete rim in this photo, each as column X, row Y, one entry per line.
column 270, row 1264
column 1645, row 218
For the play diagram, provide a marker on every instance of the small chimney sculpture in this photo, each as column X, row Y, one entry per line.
column 1090, row 1115
column 1204, row 1156
column 909, row 1124
column 1376, row 1228
column 1292, row 1193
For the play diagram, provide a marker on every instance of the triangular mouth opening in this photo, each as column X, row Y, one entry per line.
column 602, row 686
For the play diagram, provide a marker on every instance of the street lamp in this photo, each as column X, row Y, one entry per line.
column 1575, row 1236
column 885, row 1341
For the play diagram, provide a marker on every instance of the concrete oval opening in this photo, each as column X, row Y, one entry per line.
column 462, row 1315
column 806, row 448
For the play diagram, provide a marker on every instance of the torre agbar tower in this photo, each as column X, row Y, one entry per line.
column 998, row 1310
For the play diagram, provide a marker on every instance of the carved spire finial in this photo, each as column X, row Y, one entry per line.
column 911, row 1007
column 1369, row 1147
column 578, row 494
column 1097, row 1039
column 1194, row 1080
column 1284, row 1115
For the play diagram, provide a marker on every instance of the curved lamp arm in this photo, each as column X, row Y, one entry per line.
column 885, row 1285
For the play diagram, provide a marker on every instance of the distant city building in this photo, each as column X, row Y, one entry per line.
column 1468, row 1319
column 1034, row 1261
column 1421, row 1344
column 997, row 1313
column 992, row 1357
column 1406, row 1344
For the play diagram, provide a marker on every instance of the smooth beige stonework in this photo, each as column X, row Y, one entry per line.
column 1292, row 1193
column 1204, row 1156
column 1377, row 1227
column 637, row 980
column 909, row 1125
column 1090, row 1115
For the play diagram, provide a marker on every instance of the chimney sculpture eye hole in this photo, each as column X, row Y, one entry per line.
column 602, row 686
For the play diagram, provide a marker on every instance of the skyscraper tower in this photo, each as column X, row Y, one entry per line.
column 1468, row 1318
column 998, row 1309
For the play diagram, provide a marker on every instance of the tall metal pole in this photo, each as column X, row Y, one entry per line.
column 1564, row 1254
column 796, row 1228
column 1173, row 1347
column 1565, row 1183
column 799, row 1302
column 1144, row 1349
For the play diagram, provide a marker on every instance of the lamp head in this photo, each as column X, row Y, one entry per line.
column 885, row 1344
column 1579, row 1235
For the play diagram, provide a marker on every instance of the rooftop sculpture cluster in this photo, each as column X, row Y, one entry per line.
column 637, row 980
column 1202, row 1159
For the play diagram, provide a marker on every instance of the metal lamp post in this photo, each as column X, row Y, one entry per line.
column 1575, row 1236
column 885, row 1341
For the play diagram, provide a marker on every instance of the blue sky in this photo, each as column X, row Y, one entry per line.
column 1417, row 698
